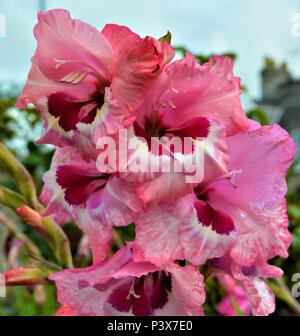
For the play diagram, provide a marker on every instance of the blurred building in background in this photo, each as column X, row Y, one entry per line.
column 280, row 96
column 281, row 102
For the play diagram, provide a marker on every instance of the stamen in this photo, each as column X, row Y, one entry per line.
column 232, row 175
column 132, row 292
column 94, row 72
column 74, row 77
column 171, row 104
column 174, row 90
column 229, row 176
column 60, row 63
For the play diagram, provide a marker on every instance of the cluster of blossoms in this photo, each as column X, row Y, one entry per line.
column 88, row 85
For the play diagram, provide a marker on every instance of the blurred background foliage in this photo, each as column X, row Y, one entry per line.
column 18, row 131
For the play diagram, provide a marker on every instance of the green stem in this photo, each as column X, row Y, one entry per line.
column 19, row 174
column 11, row 199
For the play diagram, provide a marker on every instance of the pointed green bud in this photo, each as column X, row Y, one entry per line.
column 52, row 233
column 24, row 276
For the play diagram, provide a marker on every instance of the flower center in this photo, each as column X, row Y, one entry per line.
column 219, row 221
column 143, row 295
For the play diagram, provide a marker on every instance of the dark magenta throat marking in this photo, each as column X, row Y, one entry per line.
column 219, row 221
column 70, row 112
column 192, row 129
column 142, row 296
column 77, row 186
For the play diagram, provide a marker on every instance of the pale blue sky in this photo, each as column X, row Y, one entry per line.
column 251, row 28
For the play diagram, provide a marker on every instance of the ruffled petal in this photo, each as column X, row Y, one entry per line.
column 74, row 189
column 121, row 286
column 268, row 237
column 200, row 242
column 66, row 45
column 72, row 60
column 188, row 294
column 134, row 68
column 253, row 195
column 99, row 234
column 76, row 287
column 260, row 295
column 157, row 235
column 187, row 90
column 260, row 159
column 207, row 161
column 115, row 205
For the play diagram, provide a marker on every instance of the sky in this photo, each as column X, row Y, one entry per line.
column 251, row 28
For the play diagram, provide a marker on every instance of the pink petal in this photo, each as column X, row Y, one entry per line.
column 62, row 38
column 268, row 237
column 134, row 68
column 200, row 242
column 179, row 184
column 38, row 87
column 261, row 158
column 226, row 308
column 71, row 59
column 188, row 294
column 107, row 289
column 261, row 297
column 165, row 188
column 157, row 236
column 115, row 205
column 75, row 287
column 99, row 234
column 187, row 90
column 54, row 207
column 74, row 189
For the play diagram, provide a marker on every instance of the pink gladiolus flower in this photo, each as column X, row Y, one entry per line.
column 243, row 212
column 186, row 93
column 245, row 209
column 196, row 101
column 80, row 75
column 88, row 85
column 121, row 286
column 96, row 201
